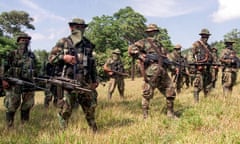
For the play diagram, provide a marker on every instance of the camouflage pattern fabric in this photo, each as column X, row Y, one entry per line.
column 20, row 64
column 156, row 75
column 229, row 73
column 116, row 80
column 178, row 77
column 203, row 77
column 84, row 72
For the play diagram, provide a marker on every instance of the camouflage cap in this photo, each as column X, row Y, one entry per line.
column 116, row 51
column 177, row 46
column 23, row 35
column 228, row 41
column 78, row 21
column 152, row 27
column 204, row 32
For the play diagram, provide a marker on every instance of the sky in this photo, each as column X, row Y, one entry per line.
column 183, row 19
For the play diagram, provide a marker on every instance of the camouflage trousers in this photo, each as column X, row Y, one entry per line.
column 164, row 84
column 50, row 93
column 229, row 78
column 202, row 81
column 116, row 81
column 214, row 72
column 15, row 97
column 178, row 81
column 88, row 102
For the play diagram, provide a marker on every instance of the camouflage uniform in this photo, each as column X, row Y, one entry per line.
column 214, row 69
column 201, row 54
column 20, row 63
column 83, row 71
column 51, row 90
column 115, row 64
column 178, row 71
column 229, row 73
column 154, row 73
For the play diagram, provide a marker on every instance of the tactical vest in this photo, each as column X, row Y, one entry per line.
column 83, row 54
column 202, row 51
column 117, row 65
column 21, row 65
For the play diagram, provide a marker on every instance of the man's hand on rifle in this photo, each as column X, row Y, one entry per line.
column 94, row 85
column 5, row 84
column 69, row 59
column 177, row 70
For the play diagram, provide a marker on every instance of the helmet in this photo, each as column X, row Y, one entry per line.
column 23, row 35
column 116, row 51
column 78, row 21
column 177, row 46
column 152, row 27
column 204, row 32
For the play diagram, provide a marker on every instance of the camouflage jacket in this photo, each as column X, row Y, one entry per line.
column 22, row 66
column 201, row 52
column 86, row 65
column 149, row 46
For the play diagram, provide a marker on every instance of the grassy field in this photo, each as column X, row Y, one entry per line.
column 214, row 120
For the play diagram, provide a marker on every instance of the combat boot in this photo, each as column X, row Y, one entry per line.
column 196, row 97
column 145, row 113
column 10, row 119
column 92, row 124
column 170, row 111
column 25, row 116
column 62, row 122
column 109, row 96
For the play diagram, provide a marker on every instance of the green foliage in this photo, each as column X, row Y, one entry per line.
column 13, row 22
column 42, row 58
column 119, row 31
column 6, row 44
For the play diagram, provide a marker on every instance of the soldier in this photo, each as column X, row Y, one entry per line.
column 214, row 68
column 201, row 55
column 151, row 53
column 73, row 59
column 229, row 72
column 115, row 69
column 20, row 63
column 178, row 71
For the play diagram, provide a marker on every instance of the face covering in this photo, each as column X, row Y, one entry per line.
column 77, row 35
column 115, row 56
column 23, row 47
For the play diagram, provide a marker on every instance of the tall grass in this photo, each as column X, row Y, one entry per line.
column 214, row 120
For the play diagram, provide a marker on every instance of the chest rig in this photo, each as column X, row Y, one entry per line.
column 82, row 52
column 22, row 65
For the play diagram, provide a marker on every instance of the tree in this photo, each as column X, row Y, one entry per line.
column 13, row 22
column 235, row 36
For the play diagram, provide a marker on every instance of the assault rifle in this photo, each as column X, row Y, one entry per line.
column 119, row 73
column 205, row 64
column 64, row 82
column 22, row 82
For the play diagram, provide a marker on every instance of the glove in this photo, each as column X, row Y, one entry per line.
column 69, row 59
column 94, row 85
column 5, row 84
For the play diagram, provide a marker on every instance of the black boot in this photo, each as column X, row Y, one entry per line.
column 196, row 97
column 25, row 116
column 92, row 124
column 145, row 113
column 10, row 119
column 170, row 111
column 109, row 96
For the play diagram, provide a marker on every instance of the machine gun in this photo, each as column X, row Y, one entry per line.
column 64, row 82
column 22, row 82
